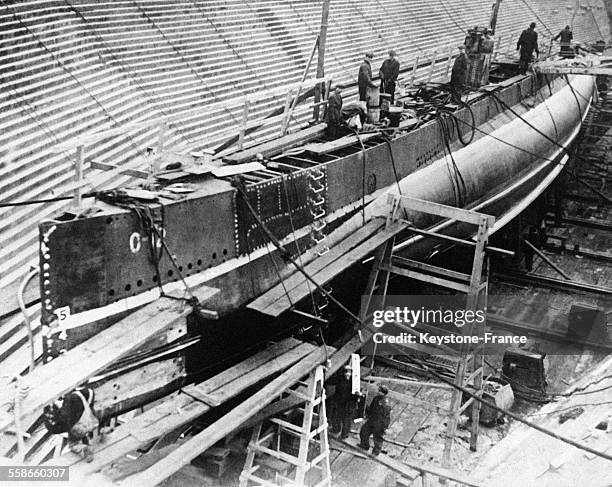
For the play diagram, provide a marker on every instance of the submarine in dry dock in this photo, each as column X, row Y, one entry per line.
column 239, row 227
column 309, row 198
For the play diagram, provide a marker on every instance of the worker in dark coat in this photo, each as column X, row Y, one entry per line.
column 344, row 404
column 75, row 416
column 459, row 73
column 378, row 418
column 566, row 36
column 389, row 71
column 527, row 43
column 364, row 79
column 333, row 115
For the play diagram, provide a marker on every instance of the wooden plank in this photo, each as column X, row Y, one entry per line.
column 253, row 377
column 408, row 466
column 316, row 265
column 320, row 148
column 232, row 170
column 154, row 423
column 406, row 399
column 406, row 382
column 247, row 365
column 337, row 360
column 56, row 378
column 333, row 269
column 228, row 423
column 103, row 166
column 437, row 281
column 424, row 206
column 279, row 145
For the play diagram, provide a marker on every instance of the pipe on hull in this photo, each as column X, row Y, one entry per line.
column 493, row 162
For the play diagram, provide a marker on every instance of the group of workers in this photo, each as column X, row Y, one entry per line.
column 389, row 71
column 344, row 407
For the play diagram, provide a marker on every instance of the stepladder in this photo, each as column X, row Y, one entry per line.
column 292, row 449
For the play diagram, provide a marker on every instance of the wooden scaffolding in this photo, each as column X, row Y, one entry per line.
column 470, row 366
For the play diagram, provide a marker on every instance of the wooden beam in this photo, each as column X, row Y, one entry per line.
column 409, row 383
column 103, row 166
column 406, row 399
column 446, row 211
column 437, row 281
column 228, row 423
column 175, row 412
column 243, row 381
column 321, row 44
column 338, row 359
column 407, row 467
column 278, row 145
column 331, row 270
column 56, row 378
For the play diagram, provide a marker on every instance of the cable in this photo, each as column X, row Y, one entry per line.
column 452, row 17
column 537, row 17
column 187, row 63
column 506, row 412
column 238, row 184
column 295, row 239
column 125, row 68
column 45, row 200
column 18, row 19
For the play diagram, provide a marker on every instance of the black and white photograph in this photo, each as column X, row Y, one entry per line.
column 306, row 243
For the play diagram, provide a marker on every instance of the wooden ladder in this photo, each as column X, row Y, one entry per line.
column 312, row 435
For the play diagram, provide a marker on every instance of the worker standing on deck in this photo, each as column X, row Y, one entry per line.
column 333, row 115
column 459, row 73
column 389, row 71
column 527, row 43
column 566, row 36
column 364, row 79
column 378, row 418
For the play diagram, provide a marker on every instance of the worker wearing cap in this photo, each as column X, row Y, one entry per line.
column 389, row 71
column 459, row 73
column 364, row 79
column 527, row 43
column 344, row 404
column 333, row 115
column 378, row 418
